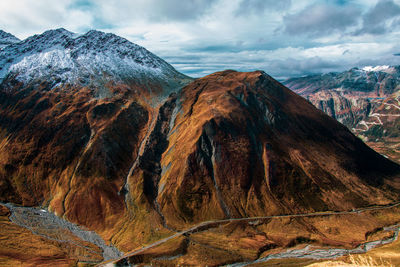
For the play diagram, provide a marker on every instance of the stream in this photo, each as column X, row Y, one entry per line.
column 46, row 224
column 309, row 253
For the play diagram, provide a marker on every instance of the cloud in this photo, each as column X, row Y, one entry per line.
column 124, row 12
column 258, row 7
column 377, row 20
column 321, row 19
column 25, row 17
column 180, row 10
column 282, row 37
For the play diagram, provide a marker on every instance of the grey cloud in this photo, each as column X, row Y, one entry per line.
column 179, row 10
column 295, row 67
column 375, row 21
column 322, row 19
column 258, row 7
column 108, row 14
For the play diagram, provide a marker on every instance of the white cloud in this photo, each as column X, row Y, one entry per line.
column 199, row 37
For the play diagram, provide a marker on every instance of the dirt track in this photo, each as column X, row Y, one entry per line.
column 291, row 253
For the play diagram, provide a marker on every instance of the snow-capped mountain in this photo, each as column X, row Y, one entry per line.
column 375, row 81
column 59, row 57
column 7, row 39
column 382, row 68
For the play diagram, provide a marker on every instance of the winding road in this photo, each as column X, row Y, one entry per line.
column 215, row 223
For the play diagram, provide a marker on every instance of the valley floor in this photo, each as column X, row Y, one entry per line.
column 34, row 236
column 38, row 237
column 306, row 250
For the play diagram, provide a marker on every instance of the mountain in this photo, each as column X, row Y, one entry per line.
column 7, row 39
column 243, row 145
column 104, row 134
column 356, row 98
column 381, row 129
column 377, row 81
column 61, row 57
column 237, row 145
column 73, row 111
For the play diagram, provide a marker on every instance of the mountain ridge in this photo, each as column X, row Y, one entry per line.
column 62, row 57
column 7, row 39
column 138, row 158
column 372, row 81
column 365, row 100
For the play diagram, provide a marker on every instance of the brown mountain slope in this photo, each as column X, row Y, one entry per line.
column 71, row 151
column 355, row 98
column 381, row 129
column 244, row 145
column 227, row 145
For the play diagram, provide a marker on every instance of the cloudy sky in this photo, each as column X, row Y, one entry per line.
column 285, row 38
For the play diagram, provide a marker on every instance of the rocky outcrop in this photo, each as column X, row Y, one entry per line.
column 7, row 39
column 356, row 98
column 229, row 145
column 377, row 82
column 123, row 156
column 348, row 110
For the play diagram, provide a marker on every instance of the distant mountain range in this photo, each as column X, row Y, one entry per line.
column 103, row 133
column 365, row 100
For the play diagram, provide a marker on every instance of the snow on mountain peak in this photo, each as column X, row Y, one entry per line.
column 60, row 56
column 7, row 39
column 382, row 68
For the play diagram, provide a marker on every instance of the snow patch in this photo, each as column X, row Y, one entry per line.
column 383, row 68
column 60, row 57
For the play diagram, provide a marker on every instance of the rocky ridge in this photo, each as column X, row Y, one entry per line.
column 356, row 98
column 142, row 156
column 92, row 59
column 7, row 39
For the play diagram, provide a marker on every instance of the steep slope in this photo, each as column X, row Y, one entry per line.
column 73, row 112
column 7, row 39
column 381, row 129
column 102, row 132
column 237, row 145
column 94, row 59
column 354, row 97
column 244, row 145
column 375, row 82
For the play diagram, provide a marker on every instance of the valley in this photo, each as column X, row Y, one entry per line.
column 148, row 254
column 50, row 227
column 110, row 155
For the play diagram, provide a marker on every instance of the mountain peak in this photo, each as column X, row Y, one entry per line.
column 4, row 34
column 60, row 56
column 7, row 39
column 59, row 31
column 363, row 80
column 381, row 68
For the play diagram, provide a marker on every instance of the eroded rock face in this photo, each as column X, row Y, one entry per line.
column 381, row 130
column 365, row 100
column 227, row 145
column 244, row 145
column 74, row 111
column 347, row 109
column 378, row 81
column 68, row 150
